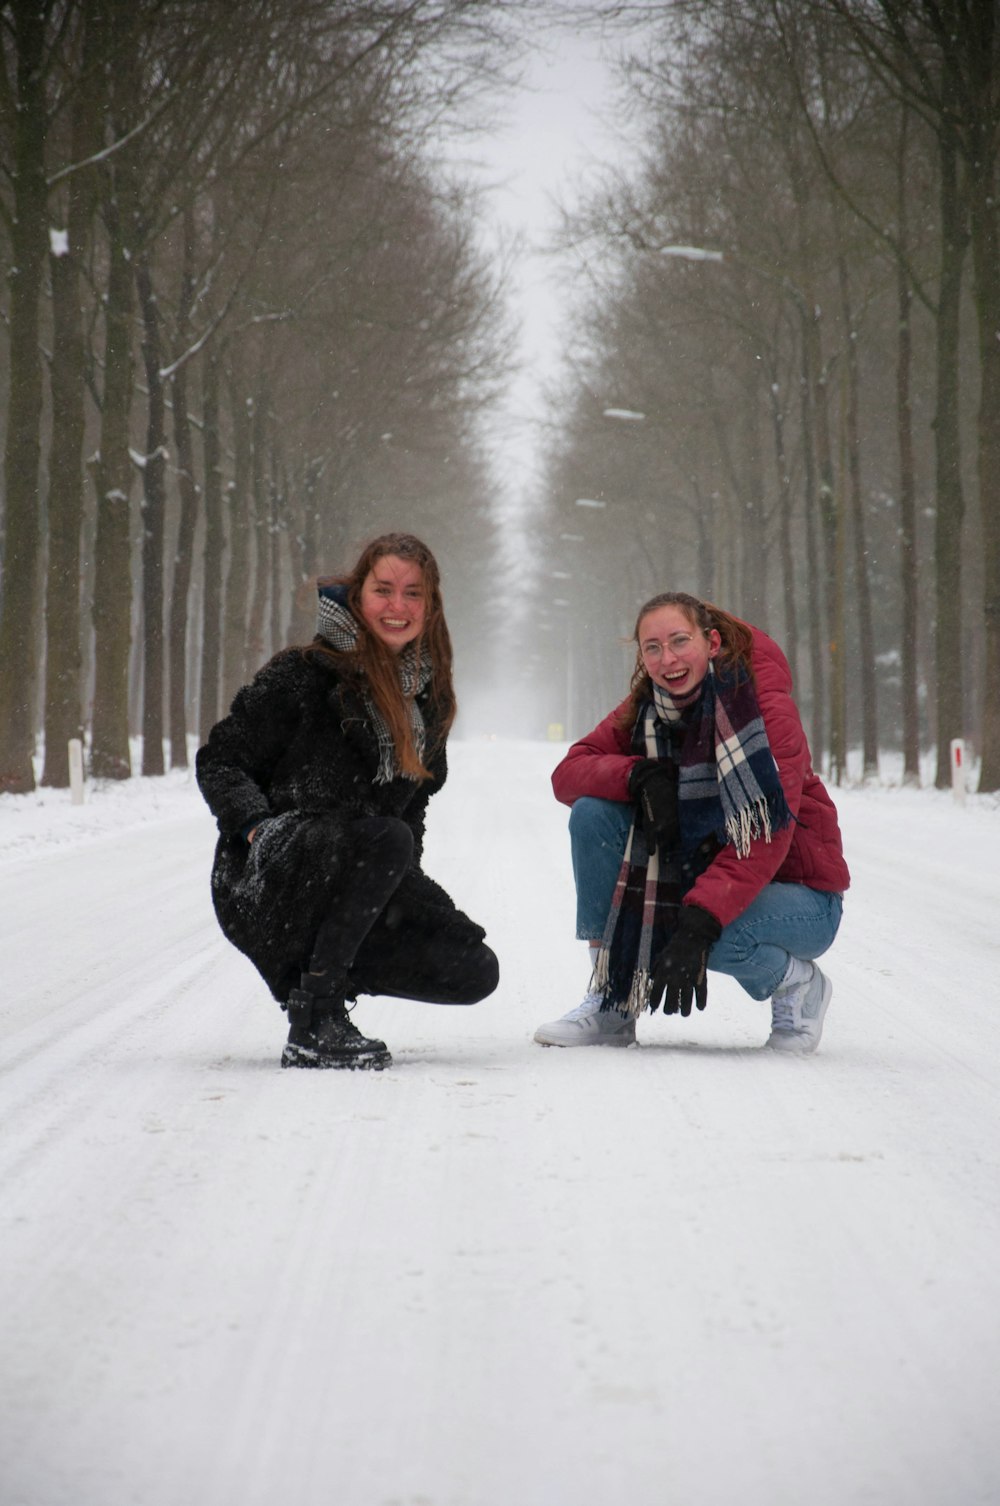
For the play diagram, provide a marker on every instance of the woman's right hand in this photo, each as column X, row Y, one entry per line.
column 653, row 786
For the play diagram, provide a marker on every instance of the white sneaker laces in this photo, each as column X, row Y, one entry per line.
column 590, row 1005
column 783, row 1009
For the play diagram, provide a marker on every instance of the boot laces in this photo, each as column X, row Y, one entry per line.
column 349, row 1028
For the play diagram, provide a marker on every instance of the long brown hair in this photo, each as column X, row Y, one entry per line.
column 737, row 642
column 379, row 665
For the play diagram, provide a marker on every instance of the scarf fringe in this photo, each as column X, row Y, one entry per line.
column 752, row 821
column 637, row 1000
column 387, row 764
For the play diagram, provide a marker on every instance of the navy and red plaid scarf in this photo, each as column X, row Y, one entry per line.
column 729, row 792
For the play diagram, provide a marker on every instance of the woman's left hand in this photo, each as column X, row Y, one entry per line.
column 679, row 972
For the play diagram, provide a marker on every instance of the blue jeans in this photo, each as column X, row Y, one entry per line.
column 784, row 921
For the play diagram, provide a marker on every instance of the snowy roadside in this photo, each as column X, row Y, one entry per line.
column 47, row 820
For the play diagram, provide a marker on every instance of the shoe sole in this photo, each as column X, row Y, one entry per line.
column 608, row 1041
column 369, row 1061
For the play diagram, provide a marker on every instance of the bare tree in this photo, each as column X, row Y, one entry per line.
column 945, row 59
column 180, row 114
column 774, row 145
column 27, row 59
column 73, row 201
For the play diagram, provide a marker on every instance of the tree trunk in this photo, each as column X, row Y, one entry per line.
column 950, row 499
column 211, row 637
column 818, row 584
column 234, row 627
column 311, row 519
column 985, row 253
column 302, row 548
column 829, row 534
column 817, row 660
column 62, row 594
column 862, row 589
column 63, row 658
column 810, row 508
column 907, row 479
column 256, row 651
column 704, row 516
column 837, row 565
column 753, row 530
column 154, row 474
column 184, row 554
column 183, row 564
column 112, row 605
column 19, row 615
column 791, row 625
column 276, row 490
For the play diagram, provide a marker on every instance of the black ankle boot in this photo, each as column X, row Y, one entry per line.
column 322, row 1034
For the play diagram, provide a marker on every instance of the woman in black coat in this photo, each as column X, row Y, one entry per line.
column 319, row 779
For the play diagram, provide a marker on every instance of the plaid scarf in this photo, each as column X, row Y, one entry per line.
column 728, row 792
column 336, row 624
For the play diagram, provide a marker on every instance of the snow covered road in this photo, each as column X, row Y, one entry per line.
column 495, row 1275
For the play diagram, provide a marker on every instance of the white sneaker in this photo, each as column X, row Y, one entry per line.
column 587, row 1025
column 797, row 1013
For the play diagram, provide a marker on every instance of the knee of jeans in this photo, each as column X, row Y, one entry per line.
column 734, row 947
column 593, row 819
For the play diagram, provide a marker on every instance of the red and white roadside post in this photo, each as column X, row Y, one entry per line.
column 958, row 769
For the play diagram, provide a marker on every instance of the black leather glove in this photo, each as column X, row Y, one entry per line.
column 652, row 784
column 679, row 971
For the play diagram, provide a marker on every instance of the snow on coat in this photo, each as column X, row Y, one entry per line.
column 297, row 757
column 809, row 851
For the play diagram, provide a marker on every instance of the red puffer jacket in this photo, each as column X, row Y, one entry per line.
column 808, row 851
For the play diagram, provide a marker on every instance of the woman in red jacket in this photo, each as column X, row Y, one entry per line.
column 701, row 837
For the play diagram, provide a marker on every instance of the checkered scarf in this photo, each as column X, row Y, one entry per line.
column 336, row 624
column 728, row 792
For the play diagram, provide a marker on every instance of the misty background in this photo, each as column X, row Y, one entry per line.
column 601, row 300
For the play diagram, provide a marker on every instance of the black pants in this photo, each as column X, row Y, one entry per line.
column 379, row 953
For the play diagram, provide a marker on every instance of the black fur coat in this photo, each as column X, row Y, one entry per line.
column 297, row 757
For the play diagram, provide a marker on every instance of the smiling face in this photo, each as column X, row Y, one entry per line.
column 393, row 601
column 675, row 652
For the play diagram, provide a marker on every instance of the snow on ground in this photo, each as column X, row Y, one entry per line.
column 691, row 1272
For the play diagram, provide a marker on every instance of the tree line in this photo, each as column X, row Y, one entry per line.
column 247, row 320
column 784, row 391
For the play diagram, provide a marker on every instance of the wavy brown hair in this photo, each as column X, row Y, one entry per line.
column 379, row 665
column 737, row 642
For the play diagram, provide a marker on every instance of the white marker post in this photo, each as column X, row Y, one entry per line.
column 958, row 769
column 76, row 770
